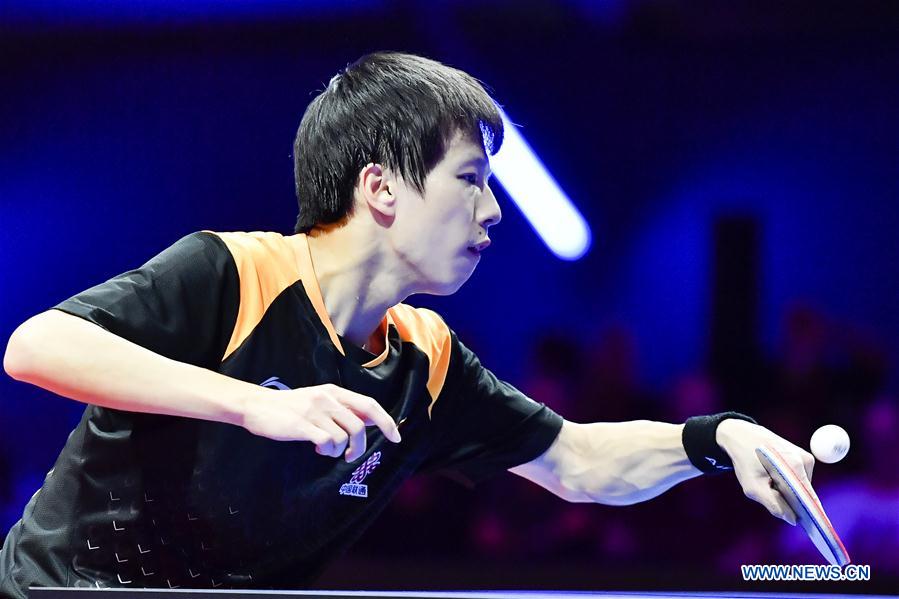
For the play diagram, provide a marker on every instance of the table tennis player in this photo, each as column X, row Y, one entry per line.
column 254, row 400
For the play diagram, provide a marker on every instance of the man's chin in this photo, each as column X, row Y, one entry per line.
column 448, row 287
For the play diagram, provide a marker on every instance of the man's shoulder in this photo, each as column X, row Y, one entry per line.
column 428, row 332
column 421, row 318
column 406, row 312
column 252, row 242
column 260, row 252
column 425, row 328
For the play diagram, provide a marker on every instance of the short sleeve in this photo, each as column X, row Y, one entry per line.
column 181, row 304
column 484, row 426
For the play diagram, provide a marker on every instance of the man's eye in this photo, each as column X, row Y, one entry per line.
column 472, row 179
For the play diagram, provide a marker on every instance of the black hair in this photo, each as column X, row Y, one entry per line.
column 397, row 110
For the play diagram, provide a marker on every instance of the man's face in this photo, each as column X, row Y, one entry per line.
column 440, row 235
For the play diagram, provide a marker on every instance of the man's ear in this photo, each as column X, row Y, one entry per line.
column 376, row 187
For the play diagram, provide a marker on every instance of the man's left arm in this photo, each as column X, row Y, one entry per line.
column 620, row 463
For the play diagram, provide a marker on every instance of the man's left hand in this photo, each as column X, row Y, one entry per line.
column 740, row 439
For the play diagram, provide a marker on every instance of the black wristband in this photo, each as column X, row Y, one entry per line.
column 700, row 444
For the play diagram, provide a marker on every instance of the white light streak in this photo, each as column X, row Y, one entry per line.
column 545, row 206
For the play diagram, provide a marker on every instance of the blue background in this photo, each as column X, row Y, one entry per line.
column 124, row 128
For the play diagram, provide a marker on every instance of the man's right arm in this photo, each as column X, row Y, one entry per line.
column 82, row 361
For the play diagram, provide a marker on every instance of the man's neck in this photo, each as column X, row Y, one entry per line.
column 357, row 281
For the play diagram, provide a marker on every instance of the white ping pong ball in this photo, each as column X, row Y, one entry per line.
column 830, row 443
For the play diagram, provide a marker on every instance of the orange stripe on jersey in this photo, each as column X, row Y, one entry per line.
column 266, row 265
column 427, row 331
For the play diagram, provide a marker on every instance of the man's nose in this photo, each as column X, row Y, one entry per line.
column 490, row 213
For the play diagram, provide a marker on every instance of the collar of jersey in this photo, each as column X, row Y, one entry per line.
column 314, row 293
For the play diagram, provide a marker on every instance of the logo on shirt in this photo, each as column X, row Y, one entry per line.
column 715, row 463
column 355, row 487
column 274, row 383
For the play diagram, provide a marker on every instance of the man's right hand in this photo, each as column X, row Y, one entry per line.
column 331, row 417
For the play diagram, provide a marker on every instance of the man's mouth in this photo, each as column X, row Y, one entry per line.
column 480, row 247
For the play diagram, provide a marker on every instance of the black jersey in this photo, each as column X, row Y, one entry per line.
column 142, row 500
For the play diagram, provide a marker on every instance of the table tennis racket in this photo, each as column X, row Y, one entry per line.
column 809, row 511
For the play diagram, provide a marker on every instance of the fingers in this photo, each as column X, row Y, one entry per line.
column 345, row 421
column 318, row 437
column 332, row 418
column 781, row 509
column 804, row 472
column 808, row 461
column 355, row 429
column 369, row 411
column 752, row 475
column 336, row 440
column 772, row 500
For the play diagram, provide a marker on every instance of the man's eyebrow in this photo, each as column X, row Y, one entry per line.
column 481, row 163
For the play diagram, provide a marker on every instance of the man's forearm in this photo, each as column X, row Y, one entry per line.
column 617, row 463
column 79, row 360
